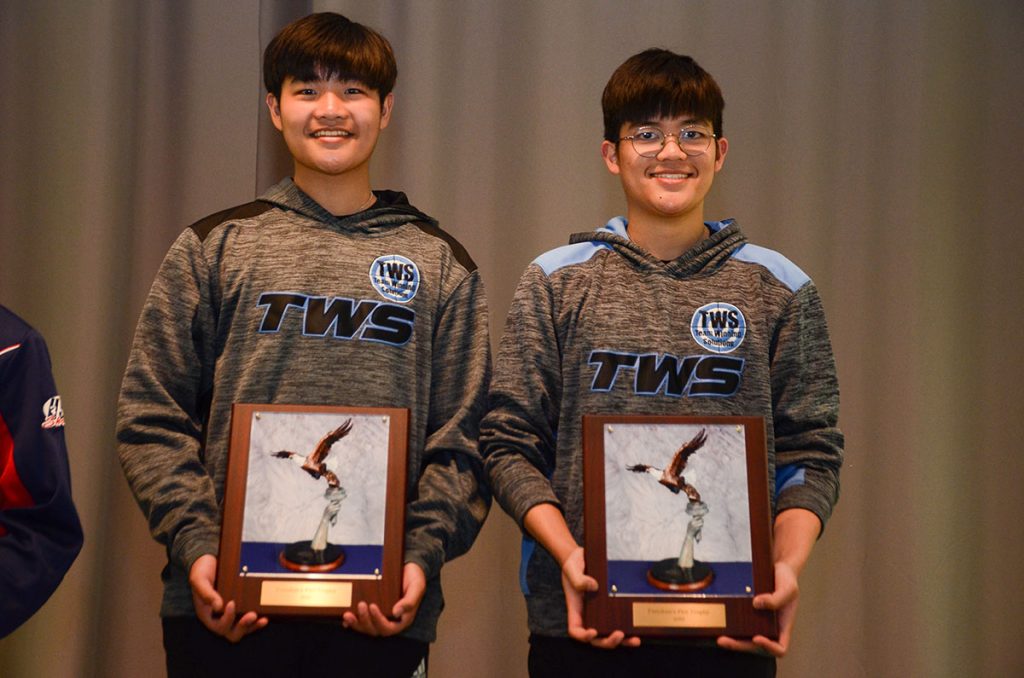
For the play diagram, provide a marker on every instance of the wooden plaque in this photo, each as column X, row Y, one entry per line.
column 314, row 509
column 677, row 525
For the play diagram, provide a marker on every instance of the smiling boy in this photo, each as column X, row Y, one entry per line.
column 613, row 323
column 287, row 299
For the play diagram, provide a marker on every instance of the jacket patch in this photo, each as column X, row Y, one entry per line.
column 395, row 277
column 718, row 327
column 53, row 413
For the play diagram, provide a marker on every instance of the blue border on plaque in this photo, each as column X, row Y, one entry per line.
column 731, row 579
column 261, row 558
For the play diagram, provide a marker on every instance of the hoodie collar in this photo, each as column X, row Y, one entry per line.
column 391, row 208
column 725, row 239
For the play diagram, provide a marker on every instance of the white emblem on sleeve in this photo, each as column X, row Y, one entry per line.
column 53, row 413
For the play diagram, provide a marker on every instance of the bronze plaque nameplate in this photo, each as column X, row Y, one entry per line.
column 306, row 593
column 679, row 615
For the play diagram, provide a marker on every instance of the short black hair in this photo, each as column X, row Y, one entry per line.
column 657, row 83
column 325, row 46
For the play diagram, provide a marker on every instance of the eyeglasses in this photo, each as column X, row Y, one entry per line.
column 648, row 141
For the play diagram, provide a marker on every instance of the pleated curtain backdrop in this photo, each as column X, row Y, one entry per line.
column 876, row 144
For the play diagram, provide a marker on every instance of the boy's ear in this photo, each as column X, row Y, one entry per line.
column 721, row 148
column 610, row 153
column 386, row 107
column 275, row 110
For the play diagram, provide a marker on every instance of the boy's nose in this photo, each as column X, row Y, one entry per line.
column 331, row 106
column 671, row 142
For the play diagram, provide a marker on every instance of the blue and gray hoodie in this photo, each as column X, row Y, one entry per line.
column 601, row 326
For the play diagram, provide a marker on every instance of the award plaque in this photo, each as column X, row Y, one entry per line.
column 677, row 525
column 314, row 509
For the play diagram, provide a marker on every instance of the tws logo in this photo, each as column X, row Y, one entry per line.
column 343, row 318
column 654, row 373
column 719, row 327
column 395, row 277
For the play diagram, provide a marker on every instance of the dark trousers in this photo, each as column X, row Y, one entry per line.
column 287, row 648
column 567, row 658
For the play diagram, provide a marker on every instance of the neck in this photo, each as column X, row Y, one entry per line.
column 340, row 194
column 666, row 238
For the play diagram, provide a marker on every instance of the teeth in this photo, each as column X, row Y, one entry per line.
column 331, row 133
column 667, row 175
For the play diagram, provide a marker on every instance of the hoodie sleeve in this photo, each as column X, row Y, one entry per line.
column 40, row 534
column 452, row 499
column 518, row 434
column 163, row 405
column 805, row 403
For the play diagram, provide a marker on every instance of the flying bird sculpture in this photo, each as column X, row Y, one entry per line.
column 683, row 573
column 317, row 554
column 672, row 476
column 315, row 463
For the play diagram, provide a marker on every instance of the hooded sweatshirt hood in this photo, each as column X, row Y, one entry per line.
column 704, row 257
column 391, row 208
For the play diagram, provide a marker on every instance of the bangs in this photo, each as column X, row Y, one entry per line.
column 673, row 100
column 332, row 61
column 327, row 47
column 657, row 84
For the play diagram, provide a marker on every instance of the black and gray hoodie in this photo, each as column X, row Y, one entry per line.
column 278, row 301
column 601, row 326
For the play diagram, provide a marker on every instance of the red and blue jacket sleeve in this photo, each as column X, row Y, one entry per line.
column 40, row 533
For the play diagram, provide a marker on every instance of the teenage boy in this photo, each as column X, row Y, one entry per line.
column 320, row 292
column 40, row 534
column 615, row 323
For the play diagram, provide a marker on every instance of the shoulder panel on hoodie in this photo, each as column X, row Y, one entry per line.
column 568, row 255
column 784, row 270
column 203, row 227
column 458, row 251
column 581, row 247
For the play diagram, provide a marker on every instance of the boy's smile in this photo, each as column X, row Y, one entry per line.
column 330, row 126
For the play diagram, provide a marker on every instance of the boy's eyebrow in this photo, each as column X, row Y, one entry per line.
column 301, row 82
column 654, row 123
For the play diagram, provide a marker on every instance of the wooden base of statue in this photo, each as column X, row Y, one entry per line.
column 301, row 557
column 668, row 576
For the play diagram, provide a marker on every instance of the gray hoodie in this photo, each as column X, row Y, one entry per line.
column 278, row 301
column 601, row 326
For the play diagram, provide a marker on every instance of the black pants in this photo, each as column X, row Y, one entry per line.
column 287, row 648
column 567, row 658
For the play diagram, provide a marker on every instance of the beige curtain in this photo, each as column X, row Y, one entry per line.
column 877, row 144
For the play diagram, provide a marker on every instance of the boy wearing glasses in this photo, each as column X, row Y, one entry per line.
column 623, row 320
column 320, row 292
